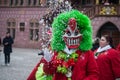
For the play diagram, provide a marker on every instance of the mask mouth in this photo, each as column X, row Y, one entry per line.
column 72, row 42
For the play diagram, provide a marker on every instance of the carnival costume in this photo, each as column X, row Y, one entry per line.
column 72, row 58
column 108, row 60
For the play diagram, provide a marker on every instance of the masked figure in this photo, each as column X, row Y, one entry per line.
column 72, row 58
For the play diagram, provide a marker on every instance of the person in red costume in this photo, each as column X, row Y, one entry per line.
column 71, row 43
column 118, row 47
column 108, row 59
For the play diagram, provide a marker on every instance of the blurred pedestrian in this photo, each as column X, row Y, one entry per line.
column 7, row 43
column 0, row 45
column 0, row 40
column 95, row 44
column 108, row 59
column 118, row 47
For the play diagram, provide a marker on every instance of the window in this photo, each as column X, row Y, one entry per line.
column 8, row 24
column 11, row 27
column 86, row 2
column 21, row 3
column 22, row 26
column 11, row 2
column 0, row 2
column 34, row 3
column 29, row 2
column 39, row 2
column 34, row 30
column 16, row 2
column 5, row 2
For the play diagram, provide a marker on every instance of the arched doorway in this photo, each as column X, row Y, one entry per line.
column 110, row 29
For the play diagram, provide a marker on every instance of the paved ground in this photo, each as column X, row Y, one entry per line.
column 22, row 63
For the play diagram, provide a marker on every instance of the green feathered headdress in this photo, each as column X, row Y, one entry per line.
column 59, row 25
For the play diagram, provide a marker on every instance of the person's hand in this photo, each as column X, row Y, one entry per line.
column 47, row 55
column 6, row 43
column 41, row 53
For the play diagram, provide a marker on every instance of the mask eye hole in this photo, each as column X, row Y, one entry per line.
column 76, row 32
column 68, row 33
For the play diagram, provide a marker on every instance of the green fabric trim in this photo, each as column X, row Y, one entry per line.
column 40, row 74
column 96, row 54
column 60, row 23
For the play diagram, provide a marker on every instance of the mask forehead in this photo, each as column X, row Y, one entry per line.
column 72, row 36
column 72, row 24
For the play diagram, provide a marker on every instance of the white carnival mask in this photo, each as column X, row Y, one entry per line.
column 72, row 36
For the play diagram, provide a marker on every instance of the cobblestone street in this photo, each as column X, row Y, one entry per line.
column 22, row 63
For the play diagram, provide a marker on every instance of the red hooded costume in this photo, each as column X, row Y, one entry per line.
column 71, row 44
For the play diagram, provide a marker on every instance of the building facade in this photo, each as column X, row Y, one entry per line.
column 21, row 19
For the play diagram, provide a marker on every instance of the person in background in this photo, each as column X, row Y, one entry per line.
column 95, row 44
column 0, row 40
column 118, row 47
column 0, row 44
column 108, row 59
column 7, row 43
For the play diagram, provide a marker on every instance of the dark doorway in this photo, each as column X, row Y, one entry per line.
column 114, row 1
column 110, row 29
column 110, row 1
